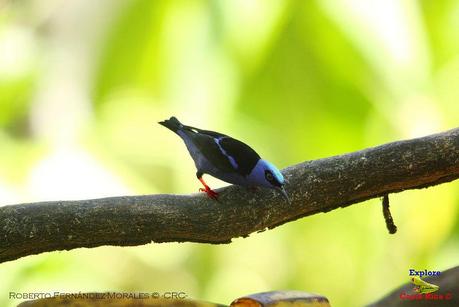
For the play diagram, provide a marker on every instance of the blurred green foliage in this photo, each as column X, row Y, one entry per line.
column 82, row 85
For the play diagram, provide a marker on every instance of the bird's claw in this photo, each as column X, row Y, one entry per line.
column 210, row 193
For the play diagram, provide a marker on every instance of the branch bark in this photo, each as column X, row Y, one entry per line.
column 314, row 186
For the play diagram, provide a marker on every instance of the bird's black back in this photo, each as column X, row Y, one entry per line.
column 245, row 157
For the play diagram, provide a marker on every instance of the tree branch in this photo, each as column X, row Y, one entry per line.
column 314, row 186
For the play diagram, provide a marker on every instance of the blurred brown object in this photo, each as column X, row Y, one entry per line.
column 280, row 299
column 116, row 302
column 264, row 299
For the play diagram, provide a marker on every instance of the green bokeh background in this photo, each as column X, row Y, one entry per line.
column 83, row 83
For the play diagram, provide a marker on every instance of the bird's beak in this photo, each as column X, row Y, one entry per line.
column 284, row 193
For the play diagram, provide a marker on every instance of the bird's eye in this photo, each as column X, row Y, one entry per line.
column 269, row 176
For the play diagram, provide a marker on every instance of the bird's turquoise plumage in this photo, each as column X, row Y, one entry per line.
column 226, row 158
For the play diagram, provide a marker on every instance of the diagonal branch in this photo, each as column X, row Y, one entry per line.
column 314, row 186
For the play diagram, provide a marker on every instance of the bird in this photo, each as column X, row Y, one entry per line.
column 227, row 159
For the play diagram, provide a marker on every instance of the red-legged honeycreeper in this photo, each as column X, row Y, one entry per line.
column 227, row 159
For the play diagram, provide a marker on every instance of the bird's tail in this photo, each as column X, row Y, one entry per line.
column 172, row 124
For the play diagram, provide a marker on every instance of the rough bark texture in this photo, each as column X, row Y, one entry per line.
column 314, row 186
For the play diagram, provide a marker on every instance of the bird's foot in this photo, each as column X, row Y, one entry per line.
column 210, row 193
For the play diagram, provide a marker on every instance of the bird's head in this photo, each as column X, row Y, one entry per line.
column 267, row 175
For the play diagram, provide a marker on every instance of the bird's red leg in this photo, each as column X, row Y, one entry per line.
column 209, row 192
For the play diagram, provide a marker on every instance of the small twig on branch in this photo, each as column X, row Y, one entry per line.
column 387, row 215
column 314, row 186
